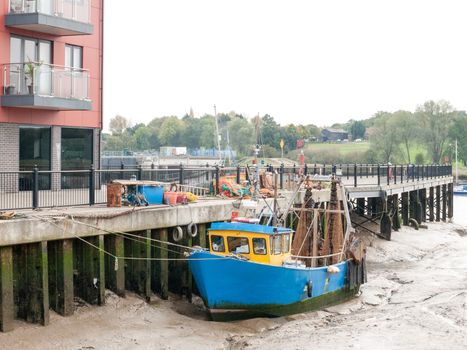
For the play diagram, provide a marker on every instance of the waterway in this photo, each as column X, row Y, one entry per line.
column 416, row 298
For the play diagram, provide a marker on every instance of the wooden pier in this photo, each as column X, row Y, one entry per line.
column 50, row 257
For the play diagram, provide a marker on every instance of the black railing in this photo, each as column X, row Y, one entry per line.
column 37, row 188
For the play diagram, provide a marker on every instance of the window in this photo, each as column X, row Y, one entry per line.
column 238, row 245
column 22, row 51
column 276, row 242
column 73, row 56
column 76, row 154
column 259, row 246
column 34, row 150
column 217, row 244
column 285, row 243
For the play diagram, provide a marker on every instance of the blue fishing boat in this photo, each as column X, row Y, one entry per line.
column 248, row 271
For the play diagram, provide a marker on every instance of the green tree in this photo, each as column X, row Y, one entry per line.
column 118, row 124
column 142, row 138
column 406, row 124
column 437, row 119
column 170, row 132
column 357, row 130
column 241, row 134
column 385, row 138
column 270, row 131
column 458, row 131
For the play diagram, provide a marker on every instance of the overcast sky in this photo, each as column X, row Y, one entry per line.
column 306, row 61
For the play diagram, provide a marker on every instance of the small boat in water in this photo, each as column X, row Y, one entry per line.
column 249, row 271
column 460, row 190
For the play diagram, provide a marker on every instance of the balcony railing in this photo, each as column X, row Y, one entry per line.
column 77, row 10
column 47, row 80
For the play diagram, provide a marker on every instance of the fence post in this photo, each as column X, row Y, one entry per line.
column 402, row 174
column 180, row 175
column 281, row 176
column 207, row 172
column 314, row 170
column 305, row 170
column 355, row 175
column 348, row 171
column 379, row 174
column 395, row 174
column 140, row 172
column 294, row 168
column 324, row 169
column 92, row 199
column 35, row 187
column 413, row 173
column 152, row 171
column 122, row 166
column 334, row 167
column 238, row 174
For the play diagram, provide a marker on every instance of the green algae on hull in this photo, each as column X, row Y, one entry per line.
column 237, row 312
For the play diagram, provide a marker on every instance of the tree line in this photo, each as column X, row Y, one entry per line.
column 426, row 135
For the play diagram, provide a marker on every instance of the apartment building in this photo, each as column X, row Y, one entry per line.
column 51, row 55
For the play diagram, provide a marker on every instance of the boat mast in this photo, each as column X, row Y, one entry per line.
column 257, row 149
column 218, row 136
column 457, row 174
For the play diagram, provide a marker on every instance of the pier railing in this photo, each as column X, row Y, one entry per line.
column 44, row 188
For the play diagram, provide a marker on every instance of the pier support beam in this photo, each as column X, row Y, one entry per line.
column 115, row 273
column 160, row 267
column 405, row 208
column 396, row 225
column 431, row 205
column 90, row 267
column 138, row 270
column 61, row 276
column 7, row 307
column 445, row 197
column 423, row 203
column 438, row 203
column 202, row 238
column 188, row 278
column 32, row 282
column 361, row 206
column 450, row 200
column 415, row 207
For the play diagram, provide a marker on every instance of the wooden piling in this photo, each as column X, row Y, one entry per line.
column 450, row 200
column 160, row 268
column 115, row 272
column 31, row 288
column 438, row 203
column 90, row 269
column 61, row 294
column 405, row 208
column 431, row 204
column 361, row 206
column 7, row 307
column 396, row 225
column 445, row 199
column 423, row 202
column 138, row 269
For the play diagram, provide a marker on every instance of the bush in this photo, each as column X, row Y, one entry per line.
column 419, row 158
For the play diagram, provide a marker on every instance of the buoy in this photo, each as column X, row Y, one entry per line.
column 192, row 229
column 177, row 234
column 333, row 269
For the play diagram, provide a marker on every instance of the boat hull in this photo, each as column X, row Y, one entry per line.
column 232, row 288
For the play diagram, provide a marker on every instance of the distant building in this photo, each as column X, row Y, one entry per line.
column 172, row 151
column 334, row 135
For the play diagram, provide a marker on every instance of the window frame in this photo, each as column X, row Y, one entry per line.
column 273, row 238
column 231, row 238
column 211, row 243
column 265, row 245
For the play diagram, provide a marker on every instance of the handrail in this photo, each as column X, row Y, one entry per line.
column 52, row 65
column 56, row 8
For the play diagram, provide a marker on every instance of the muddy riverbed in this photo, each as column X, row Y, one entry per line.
column 416, row 298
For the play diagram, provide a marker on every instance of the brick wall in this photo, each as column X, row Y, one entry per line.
column 9, row 160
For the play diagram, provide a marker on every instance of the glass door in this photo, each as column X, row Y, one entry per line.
column 44, row 70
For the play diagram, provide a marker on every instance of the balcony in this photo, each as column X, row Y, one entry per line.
column 56, row 17
column 45, row 86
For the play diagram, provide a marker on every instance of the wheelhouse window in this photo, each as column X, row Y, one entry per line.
column 285, row 243
column 217, row 244
column 276, row 244
column 259, row 246
column 238, row 245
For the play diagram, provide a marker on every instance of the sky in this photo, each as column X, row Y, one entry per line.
column 301, row 61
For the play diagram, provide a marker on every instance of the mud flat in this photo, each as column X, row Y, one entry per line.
column 416, row 298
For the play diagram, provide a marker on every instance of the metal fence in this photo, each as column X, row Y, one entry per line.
column 35, row 189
